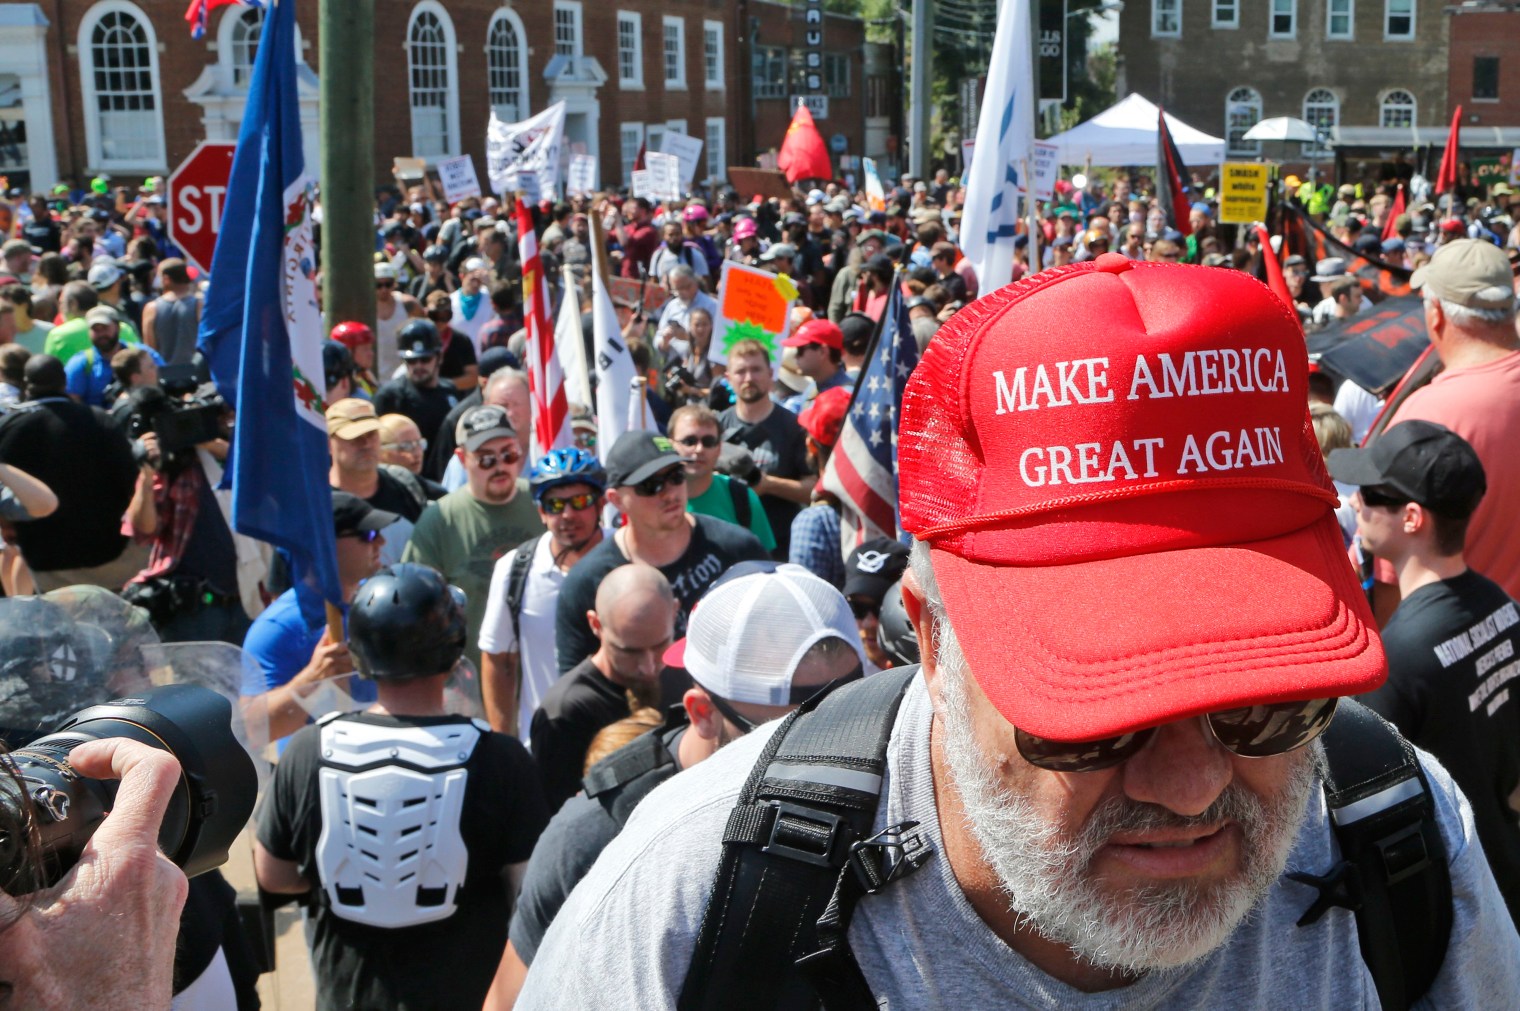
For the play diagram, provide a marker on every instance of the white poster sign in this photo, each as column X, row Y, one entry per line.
column 664, row 175
column 581, row 182
column 687, row 149
column 458, row 178
column 639, row 183
column 1046, row 169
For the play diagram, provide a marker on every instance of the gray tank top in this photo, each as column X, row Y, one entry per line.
column 174, row 325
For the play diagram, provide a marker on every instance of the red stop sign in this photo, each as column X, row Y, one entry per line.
column 197, row 191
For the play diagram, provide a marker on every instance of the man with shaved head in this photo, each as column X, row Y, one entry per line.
column 634, row 620
column 503, row 387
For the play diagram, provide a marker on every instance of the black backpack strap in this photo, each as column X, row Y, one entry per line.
column 796, row 858
column 622, row 779
column 517, row 583
column 1393, row 873
column 738, row 491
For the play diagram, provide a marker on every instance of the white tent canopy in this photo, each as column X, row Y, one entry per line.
column 1125, row 134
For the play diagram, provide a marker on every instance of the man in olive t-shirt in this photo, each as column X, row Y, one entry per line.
column 468, row 529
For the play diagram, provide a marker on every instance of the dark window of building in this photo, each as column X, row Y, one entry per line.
column 1486, row 77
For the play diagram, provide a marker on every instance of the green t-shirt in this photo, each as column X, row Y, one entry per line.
column 72, row 336
column 717, row 501
column 35, row 339
column 463, row 537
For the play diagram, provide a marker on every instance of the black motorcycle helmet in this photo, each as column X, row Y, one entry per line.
column 419, row 339
column 894, row 632
column 406, row 622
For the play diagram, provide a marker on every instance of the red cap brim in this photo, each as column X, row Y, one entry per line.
column 1098, row 648
column 675, row 654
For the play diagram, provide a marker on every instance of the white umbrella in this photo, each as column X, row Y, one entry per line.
column 1281, row 128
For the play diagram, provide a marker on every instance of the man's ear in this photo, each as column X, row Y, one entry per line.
column 919, row 616
column 615, row 497
column 594, row 622
column 704, row 716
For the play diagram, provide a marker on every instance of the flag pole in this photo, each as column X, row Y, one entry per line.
column 1031, row 206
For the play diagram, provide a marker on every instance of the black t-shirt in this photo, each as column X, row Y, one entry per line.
column 444, row 964
column 441, row 445
column 77, row 452
column 779, row 446
column 576, row 836
column 1451, row 650
column 715, row 547
column 574, row 709
column 458, row 356
column 44, row 234
column 210, row 553
column 427, row 408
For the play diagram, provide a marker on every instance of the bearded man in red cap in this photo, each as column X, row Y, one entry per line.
column 1110, row 784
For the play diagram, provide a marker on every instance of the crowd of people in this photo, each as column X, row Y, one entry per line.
column 535, row 642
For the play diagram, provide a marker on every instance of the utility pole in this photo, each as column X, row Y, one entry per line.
column 923, row 74
column 346, row 44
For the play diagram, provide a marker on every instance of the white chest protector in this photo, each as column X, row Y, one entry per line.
column 390, row 853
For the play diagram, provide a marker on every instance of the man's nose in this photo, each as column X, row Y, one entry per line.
column 1183, row 769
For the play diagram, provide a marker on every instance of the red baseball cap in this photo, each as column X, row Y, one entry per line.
column 817, row 331
column 1129, row 519
column 824, row 417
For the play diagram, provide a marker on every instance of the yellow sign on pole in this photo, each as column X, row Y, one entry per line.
column 1242, row 192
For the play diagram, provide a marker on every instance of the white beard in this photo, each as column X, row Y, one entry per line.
column 1047, row 875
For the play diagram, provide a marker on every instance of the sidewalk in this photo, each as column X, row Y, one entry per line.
column 290, row 987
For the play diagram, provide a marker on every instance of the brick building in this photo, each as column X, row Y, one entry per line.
column 1371, row 73
column 118, row 87
column 1484, row 73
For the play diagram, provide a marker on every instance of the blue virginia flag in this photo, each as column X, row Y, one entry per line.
column 261, row 330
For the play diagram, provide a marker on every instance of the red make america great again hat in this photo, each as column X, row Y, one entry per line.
column 1129, row 518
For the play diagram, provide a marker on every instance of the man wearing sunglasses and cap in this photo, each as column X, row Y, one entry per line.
column 1102, row 788
column 646, row 481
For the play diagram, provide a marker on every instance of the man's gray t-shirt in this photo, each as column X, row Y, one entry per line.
column 633, row 920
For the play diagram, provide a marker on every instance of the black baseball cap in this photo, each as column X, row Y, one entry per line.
column 639, row 455
column 479, row 425
column 873, row 567
column 1427, row 462
column 353, row 515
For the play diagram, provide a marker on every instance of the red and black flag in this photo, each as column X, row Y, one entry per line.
column 1170, row 173
column 1379, row 279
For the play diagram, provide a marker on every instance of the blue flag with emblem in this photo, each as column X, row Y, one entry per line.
column 862, row 469
column 1004, row 151
column 261, row 330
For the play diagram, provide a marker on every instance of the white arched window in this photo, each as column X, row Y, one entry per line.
column 1323, row 111
column 1398, row 109
column 431, row 71
column 118, row 65
column 1242, row 110
column 506, row 66
column 243, row 29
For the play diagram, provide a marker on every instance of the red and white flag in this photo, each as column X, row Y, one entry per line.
column 551, row 409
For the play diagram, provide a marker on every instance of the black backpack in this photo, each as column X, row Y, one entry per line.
column 798, row 855
column 517, row 583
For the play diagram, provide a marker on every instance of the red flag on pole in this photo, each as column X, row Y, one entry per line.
column 1275, row 279
column 1171, row 174
column 803, row 153
column 551, row 408
column 1390, row 229
column 1446, row 179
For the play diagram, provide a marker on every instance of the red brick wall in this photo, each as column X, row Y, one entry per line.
column 1485, row 34
column 781, row 25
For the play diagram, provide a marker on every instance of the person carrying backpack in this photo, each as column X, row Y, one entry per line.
column 517, row 634
column 1125, row 775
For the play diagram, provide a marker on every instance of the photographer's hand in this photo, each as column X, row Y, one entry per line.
column 105, row 935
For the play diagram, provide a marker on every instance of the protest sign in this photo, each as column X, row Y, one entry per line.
column 631, row 291
column 1046, row 168
column 1242, row 192
column 664, row 175
column 766, row 182
column 688, row 150
column 531, row 146
column 458, row 178
column 639, row 183
column 581, row 182
column 876, row 197
column 753, row 304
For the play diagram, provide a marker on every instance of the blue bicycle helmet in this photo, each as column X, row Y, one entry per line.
column 566, row 466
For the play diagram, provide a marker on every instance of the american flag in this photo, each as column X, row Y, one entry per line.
column 551, row 407
column 862, row 470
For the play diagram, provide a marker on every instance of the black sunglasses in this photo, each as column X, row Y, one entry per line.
column 652, row 486
column 488, row 461
column 864, row 608
column 705, row 441
column 555, row 506
column 1250, row 732
column 1384, row 498
column 367, row 536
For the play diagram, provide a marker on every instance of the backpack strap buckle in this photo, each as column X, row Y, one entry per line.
column 888, row 855
column 806, row 834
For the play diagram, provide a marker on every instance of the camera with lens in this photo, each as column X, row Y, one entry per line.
column 43, row 801
column 180, row 411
